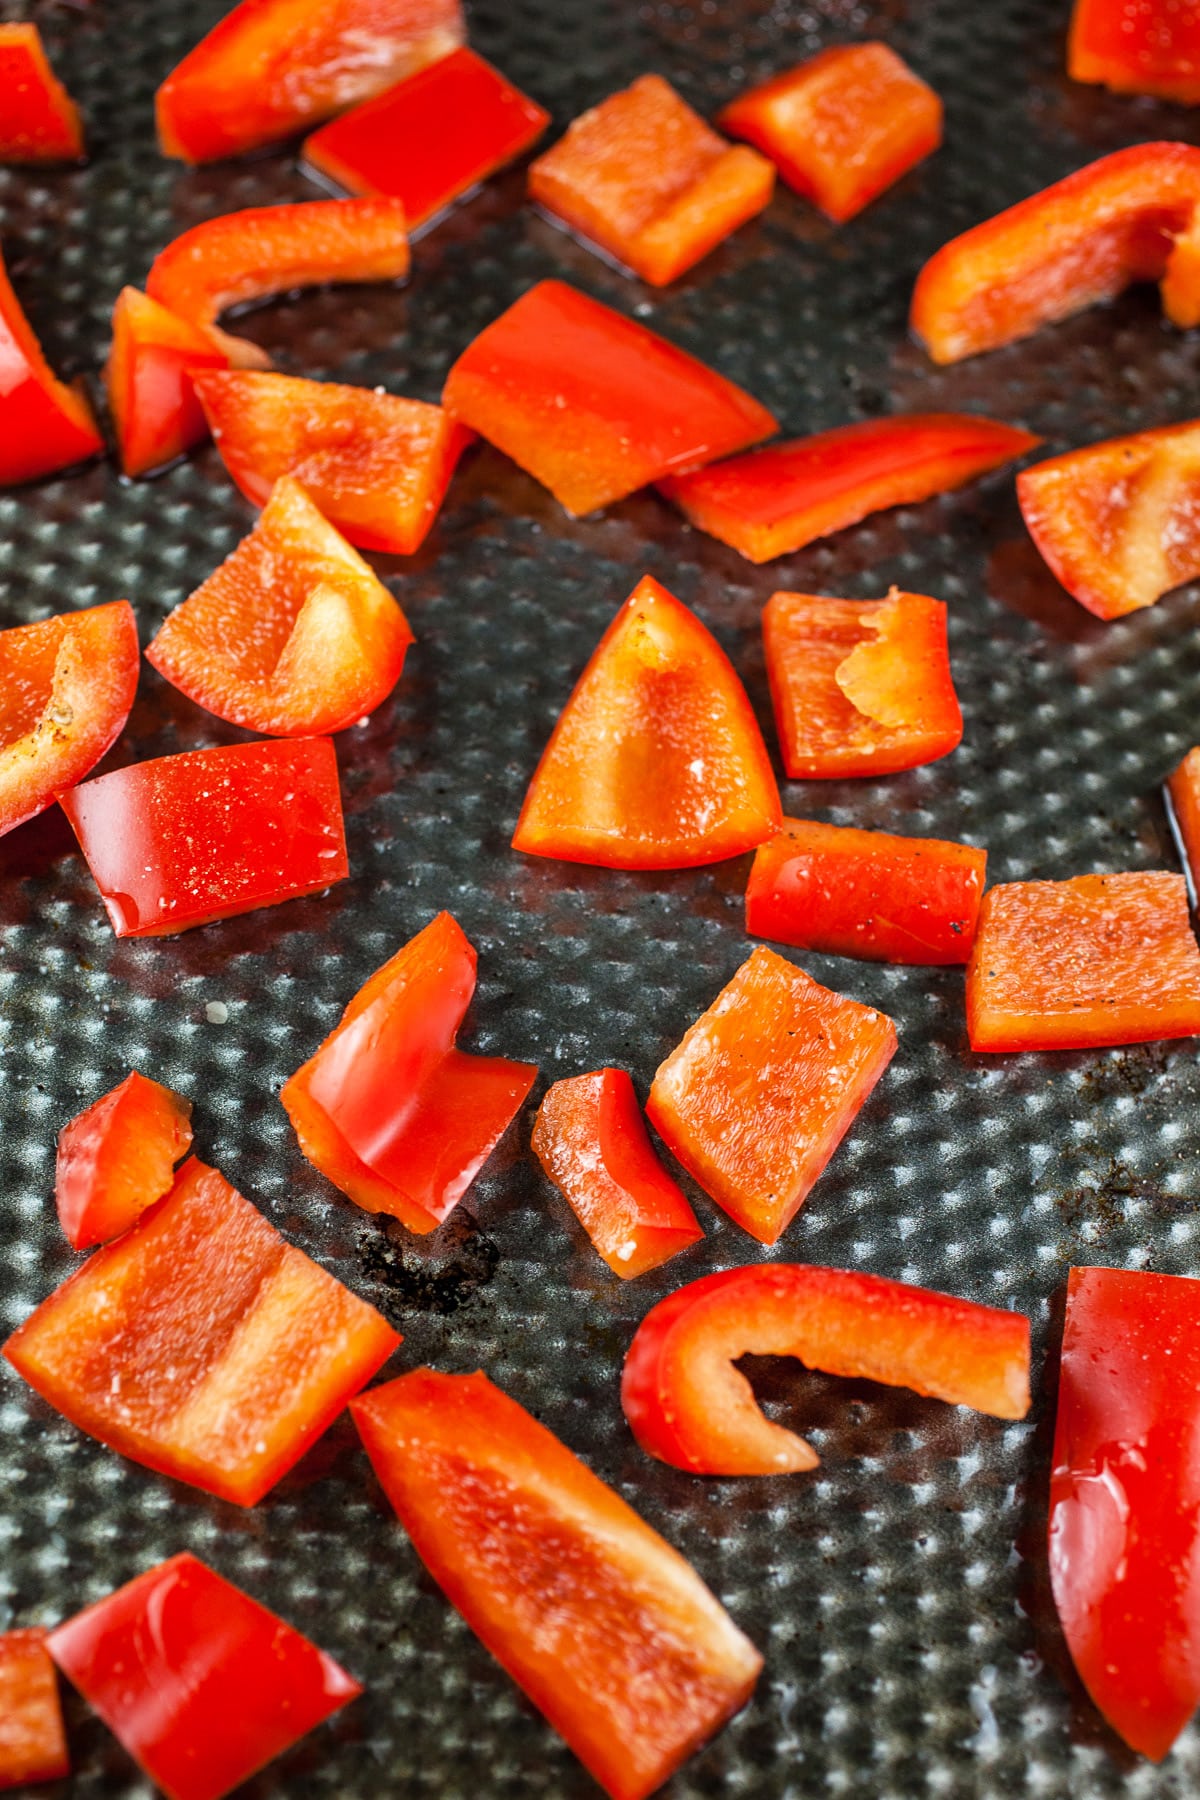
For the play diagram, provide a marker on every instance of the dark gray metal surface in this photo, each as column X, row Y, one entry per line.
column 898, row 1594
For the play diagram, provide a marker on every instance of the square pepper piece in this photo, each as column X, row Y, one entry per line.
column 842, row 127
column 33, row 1744
column 764, row 1086
column 430, row 139
column 1101, row 959
column 593, row 405
column 646, row 180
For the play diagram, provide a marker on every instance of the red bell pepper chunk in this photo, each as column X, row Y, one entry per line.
column 118, row 1158
column 33, row 1744
column 657, row 761
column 1125, row 218
column 1118, row 522
column 149, row 374
column 776, row 500
column 39, row 121
column 66, row 686
column 430, row 139
column 199, row 1683
column 1101, row 959
column 376, row 465
column 590, row 1139
column 183, row 840
column 762, row 1089
column 388, row 1108
column 841, row 127
column 860, row 687
column 274, row 67
column 265, row 250
column 1125, row 1498
column 1183, row 809
column 293, row 635
column 866, row 894
column 688, row 1405
column 610, row 1633
column 591, row 404
column 45, row 425
column 1152, row 47
column 201, row 1344
column 644, row 178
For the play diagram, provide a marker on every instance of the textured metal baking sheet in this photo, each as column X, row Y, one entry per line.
column 899, row 1593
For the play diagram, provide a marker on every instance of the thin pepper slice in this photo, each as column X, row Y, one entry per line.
column 657, row 761
column 33, row 1744
column 430, row 139
column 610, row 1633
column 67, row 684
column 1122, row 219
column 274, row 67
column 590, row 1139
column 868, row 894
column 642, row 176
column 376, row 465
column 201, row 1344
column 592, row 404
column 1137, row 47
column 1100, row 959
column 860, row 687
column 149, row 373
column 841, row 127
column 1119, row 522
column 776, row 500
column 117, row 1158
column 39, row 121
column 180, row 841
column 45, row 425
column 388, row 1108
column 200, row 1683
column 1183, row 808
column 761, row 1090
column 244, row 256
column 688, row 1405
column 1124, row 1541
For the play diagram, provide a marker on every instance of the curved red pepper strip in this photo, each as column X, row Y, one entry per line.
column 689, row 1406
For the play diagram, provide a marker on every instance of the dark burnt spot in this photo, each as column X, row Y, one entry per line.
column 436, row 1274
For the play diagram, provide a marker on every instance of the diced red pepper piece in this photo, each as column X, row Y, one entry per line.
column 117, row 1158
column 592, row 404
column 33, row 1744
column 645, row 178
column 149, row 378
column 761, row 1090
column 1077, row 243
column 430, row 139
column 293, row 635
column 841, row 127
column 274, row 67
column 1100, row 959
column 1119, row 522
column 689, row 1406
column 45, row 425
column 200, row 1683
column 39, row 121
column 387, row 1107
column 182, row 840
column 866, row 893
column 1183, row 796
column 265, row 250
column 66, row 686
column 657, row 761
column 590, row 1139
column 610, row 1633
column 776, row 500
column 201, row 1344
column 376, row 465
column 1137, row 47
column 860, row 687
column 1125, row 1498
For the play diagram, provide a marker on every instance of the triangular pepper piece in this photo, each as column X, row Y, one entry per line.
column 39, row 121
column 292, row 635
column 150, row 391
column 657, row 761
column 45, row 425
column 117, row 1158
column 375, row 464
